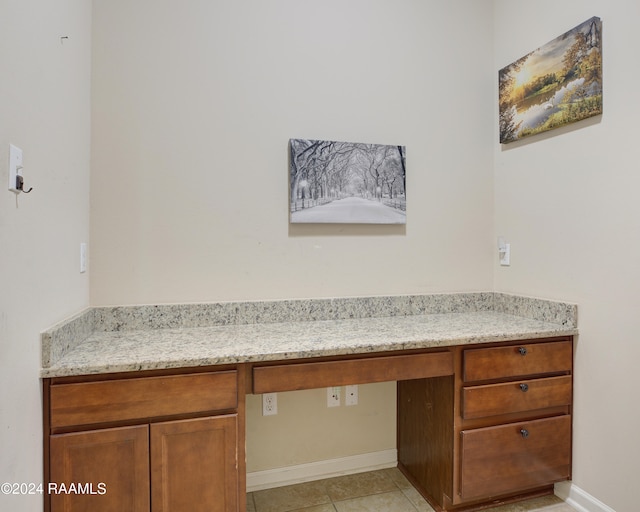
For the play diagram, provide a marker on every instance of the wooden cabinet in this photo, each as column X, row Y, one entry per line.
column 501, row 425
column 114, row 463
column 129, row 399
column 193, row 465
column 477, row 425
column 519, row 396
column 355, row 370
column 516, row 361
column 160, row 443
column 514, row 456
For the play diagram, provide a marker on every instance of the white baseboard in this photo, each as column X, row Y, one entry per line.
column 579, row 499
column 290, row 475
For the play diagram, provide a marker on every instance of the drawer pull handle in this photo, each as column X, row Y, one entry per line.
column 524, row 388
column 524, row 433
column 522, row 351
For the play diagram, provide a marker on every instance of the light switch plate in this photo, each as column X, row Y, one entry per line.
column 505, row 256
column 83, row 257
column 15, row 167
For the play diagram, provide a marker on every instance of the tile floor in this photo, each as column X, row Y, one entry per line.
column 386, row 490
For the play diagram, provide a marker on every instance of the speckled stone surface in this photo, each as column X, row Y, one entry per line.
column 105, row 340
column 561, row 313
column 171, row 316
column 65, row 336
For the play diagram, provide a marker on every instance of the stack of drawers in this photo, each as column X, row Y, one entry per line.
column 515, row 418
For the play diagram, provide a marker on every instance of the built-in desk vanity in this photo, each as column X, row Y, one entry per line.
column 150, row 400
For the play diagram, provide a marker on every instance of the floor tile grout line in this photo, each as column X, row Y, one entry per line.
column 393, row 481
column 388, row 478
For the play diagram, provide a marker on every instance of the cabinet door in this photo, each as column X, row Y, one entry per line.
column 101, row 470
column 194, row 465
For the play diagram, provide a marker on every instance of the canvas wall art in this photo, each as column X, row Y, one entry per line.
column 347, row 182
column 557, row 84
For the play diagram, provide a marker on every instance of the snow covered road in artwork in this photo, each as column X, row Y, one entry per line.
column 351, row 210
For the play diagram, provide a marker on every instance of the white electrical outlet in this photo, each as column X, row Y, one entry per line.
column 269, row 404
column 351, row 395
column 333, row 396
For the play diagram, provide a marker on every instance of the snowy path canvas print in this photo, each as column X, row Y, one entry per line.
column 347, row 182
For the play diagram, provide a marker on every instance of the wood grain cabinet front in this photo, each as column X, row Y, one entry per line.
column 513, row 361
column 498, row 430
column 517, row 456
column 358, row 370
column 499, row 453
column 111, row 465
column 193, row 463
column 130, row 399
column 517, row 396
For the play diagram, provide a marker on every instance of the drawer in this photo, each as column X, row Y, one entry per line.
column 510, row 397
column 296, row 376
column 517, row 360
column 515, row 457
column 142, row 398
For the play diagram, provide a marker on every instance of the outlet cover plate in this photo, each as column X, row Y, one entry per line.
column 351, row 395
column 333, row 396
column 269, row 404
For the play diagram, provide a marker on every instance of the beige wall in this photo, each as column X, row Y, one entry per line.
column 206, row 94
column 568, row 203
column 193, row 106
column 45, row 110
column 305, row 430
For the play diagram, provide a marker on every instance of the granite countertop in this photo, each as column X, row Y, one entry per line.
column 106, row 340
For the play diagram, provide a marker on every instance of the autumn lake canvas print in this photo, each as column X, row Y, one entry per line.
column 557, row 84
column 346, row 182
